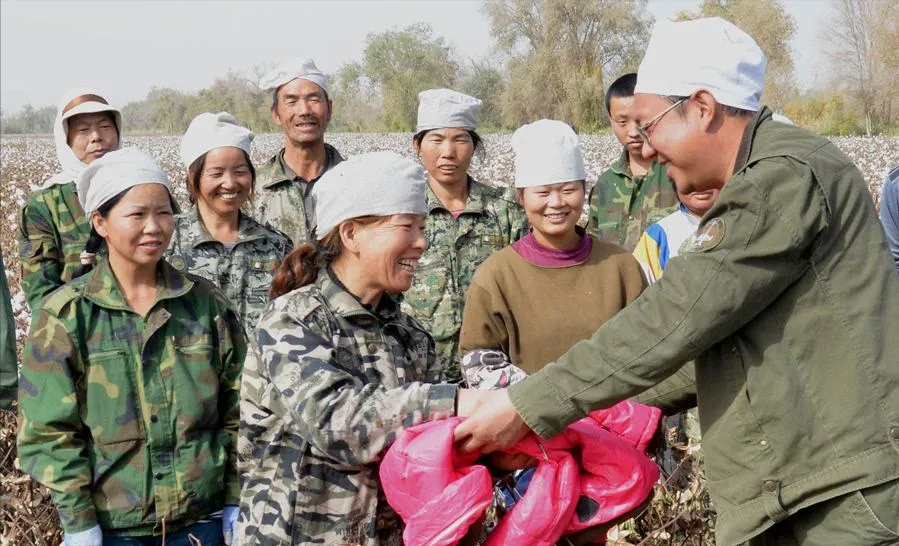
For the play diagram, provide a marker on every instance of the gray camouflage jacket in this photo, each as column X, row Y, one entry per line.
column 244, row 274
column 282, row 197
column 327, row 386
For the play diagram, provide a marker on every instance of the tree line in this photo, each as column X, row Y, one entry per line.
column 554, row 59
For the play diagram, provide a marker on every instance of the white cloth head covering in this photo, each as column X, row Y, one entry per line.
column 709, row 53
column 114, row 173
column 71, row 165
column 303, row 68
column 547, row 152
column 209, row 131
column 439, row 108
column 372, row 184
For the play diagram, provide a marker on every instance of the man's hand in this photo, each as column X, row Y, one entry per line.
column 494, row 424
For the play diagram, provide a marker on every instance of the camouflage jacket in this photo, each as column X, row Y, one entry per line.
column 9, row 368
column 622, row 206
column 53, row 230
column 492, row 220
column 128, row 420
column 244, row 274
column 282, row 197
column 327, row 386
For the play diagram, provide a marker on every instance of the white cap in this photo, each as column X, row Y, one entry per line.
column 440, row 108
column 114, row 173
column 372, row 184
column 209, row 131
column 709, row 53
column 547, row 152
column 303, row 68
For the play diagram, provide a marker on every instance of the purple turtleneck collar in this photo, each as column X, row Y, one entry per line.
column 534, row 253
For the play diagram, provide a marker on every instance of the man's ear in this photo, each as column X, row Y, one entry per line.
column 709, row 113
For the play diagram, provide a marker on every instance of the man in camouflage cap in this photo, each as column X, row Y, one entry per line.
column 787, row 300
column 634, row 192
column 302, row 109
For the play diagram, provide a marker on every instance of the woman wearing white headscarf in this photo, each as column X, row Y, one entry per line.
column 467, row 221
column 214, row 239
column 336, row 370
column 52, row 226
column 130, row 379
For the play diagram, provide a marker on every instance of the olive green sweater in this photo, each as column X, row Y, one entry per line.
column 535, row 314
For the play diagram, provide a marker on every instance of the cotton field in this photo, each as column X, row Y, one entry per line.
column 25, row 162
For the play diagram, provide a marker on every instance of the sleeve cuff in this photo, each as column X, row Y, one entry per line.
column 441, row 401
column 542, row 406
column 78, row 519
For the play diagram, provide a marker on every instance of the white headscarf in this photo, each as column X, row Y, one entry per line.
column 209, row 131
column 372, row 184
column 114, row 173
column 72, row 167
column 547, row 152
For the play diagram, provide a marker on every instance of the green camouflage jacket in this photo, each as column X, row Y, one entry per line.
column 491, row 221
column 53, row 230
column 9, row 368
column 327, row 386
column 132, row 420
column 244, row 274
column 282, row 197
column 622, row 206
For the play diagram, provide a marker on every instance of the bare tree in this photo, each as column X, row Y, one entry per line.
column 861, row 42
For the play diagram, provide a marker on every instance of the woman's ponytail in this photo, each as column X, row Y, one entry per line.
column 88, row 256
column 303, row 264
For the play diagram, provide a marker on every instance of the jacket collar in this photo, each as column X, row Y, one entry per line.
column 763, row 115
column 347, row 305
column 247, row 229
column 622, row 166
column 103, row 288
column 476, row 203
column 282, row 173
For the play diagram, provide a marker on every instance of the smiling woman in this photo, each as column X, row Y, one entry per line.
column 143, row 366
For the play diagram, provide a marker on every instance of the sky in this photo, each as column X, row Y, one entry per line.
column 125, row 48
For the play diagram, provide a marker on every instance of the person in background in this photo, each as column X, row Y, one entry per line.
column 467, row 221
column 889, row 213
column 9, row 367
column 52, row 227
column 635, row 191
column 336, row 370
column 302, row 109
column 128, row 396
column 787, row 300
column 214, row 239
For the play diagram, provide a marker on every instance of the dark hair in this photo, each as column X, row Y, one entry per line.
column 196, row 169
column 94, row 242
column 304, row 262
column 420, row 136
column 732, row 111
column 621, row 88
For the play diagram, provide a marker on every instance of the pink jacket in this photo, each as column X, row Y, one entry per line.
column 440, row 492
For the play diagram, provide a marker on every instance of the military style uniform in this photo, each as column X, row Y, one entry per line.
column 128, row 420
column 492, row 220
column 327, row 386
column 53, row 230
column 282, row 197
column 9, row 368
column 789, row 303
column 622, row 205
column 244, row 273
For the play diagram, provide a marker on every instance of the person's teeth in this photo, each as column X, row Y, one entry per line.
column 228, row 195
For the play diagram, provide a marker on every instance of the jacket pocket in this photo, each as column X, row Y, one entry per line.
column 112, row 409
column 196, row 385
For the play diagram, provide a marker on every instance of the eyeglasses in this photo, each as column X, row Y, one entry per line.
column 641, row 129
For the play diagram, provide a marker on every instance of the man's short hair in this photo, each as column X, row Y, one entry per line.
column 622, row 87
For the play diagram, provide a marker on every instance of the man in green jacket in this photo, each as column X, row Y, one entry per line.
column 634, row 192
column 787, row 300
column 302, row 109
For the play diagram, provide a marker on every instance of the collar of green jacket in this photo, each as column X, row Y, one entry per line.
column 281, row 172
column 476, row 202
column 247, row 229
column 622, row 167
column 345, row 304
column 102, row 288
column 761, row 116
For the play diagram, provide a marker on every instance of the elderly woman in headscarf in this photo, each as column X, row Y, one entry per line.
column 467, row 221
column 130, row 379
column 336, row 370
column 214, row 239
column 52, row 226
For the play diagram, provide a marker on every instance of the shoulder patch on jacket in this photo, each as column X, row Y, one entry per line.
column 709, row 235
